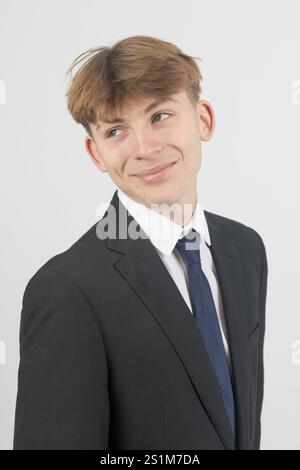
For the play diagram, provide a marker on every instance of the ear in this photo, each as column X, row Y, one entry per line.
column 93, row 153
column 206, row 120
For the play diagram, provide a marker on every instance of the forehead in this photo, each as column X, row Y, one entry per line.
column 142, row 106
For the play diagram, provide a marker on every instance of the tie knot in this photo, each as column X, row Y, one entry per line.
column 188, row 247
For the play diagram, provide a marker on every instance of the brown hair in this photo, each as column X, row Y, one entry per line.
column 135, row 67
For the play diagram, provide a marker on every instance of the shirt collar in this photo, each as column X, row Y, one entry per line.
column 162, row 231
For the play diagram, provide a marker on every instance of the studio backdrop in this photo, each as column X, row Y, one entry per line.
column 50, row 192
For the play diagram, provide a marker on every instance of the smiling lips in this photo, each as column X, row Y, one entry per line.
column 155, row 172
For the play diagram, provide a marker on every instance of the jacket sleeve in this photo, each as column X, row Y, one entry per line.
column 62, row 397
column 260, row 376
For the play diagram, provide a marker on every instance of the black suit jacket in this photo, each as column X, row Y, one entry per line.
column 111, row 357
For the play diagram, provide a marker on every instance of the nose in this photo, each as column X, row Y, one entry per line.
column 145, row 143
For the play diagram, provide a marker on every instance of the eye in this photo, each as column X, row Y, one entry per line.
column 159, row 114
column 108, row 133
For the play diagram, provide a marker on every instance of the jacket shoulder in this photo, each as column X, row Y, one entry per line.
column 68, row 266
column 235, row 229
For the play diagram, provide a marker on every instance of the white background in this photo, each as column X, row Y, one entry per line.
column 50, row 190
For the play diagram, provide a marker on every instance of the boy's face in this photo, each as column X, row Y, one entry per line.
column 169, row 133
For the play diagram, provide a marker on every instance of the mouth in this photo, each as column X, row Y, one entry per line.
column 156, row 172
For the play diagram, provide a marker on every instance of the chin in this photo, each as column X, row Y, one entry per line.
column 164, row 195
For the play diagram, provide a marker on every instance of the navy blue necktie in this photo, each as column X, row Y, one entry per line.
column 205, row 313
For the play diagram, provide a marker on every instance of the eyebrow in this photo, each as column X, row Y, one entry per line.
column 149, row 108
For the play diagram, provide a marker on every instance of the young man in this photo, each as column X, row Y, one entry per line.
column 152, row 340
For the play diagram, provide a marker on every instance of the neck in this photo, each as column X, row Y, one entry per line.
column 182, row 210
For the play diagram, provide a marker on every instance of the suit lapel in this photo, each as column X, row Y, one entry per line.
column 147, row 275
column 230, row 278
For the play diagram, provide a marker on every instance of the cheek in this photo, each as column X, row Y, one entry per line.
column 191, row 149
column 115, row 163
column 187, row 137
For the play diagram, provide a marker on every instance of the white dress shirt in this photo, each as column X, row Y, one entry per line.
column 163, row 233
